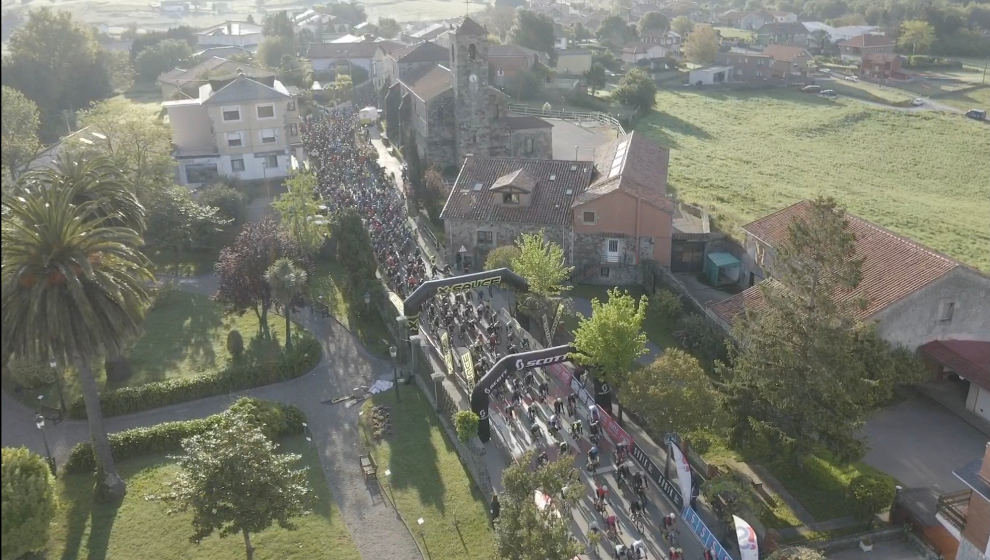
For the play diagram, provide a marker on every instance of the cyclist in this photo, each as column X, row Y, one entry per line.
column 542, row 459
column 638, row 549
column 593, row 431
column 612, row 526
column 622, row 472
column 593, row 458
column 620, row 452
column 532, row 412
column 563, row 448
column 635, row 508
column 576, row 428
column 558, row 406
column 601, row 492
column 554, row 424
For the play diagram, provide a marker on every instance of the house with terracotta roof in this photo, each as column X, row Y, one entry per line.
column 610, row 216
column 852, row 50
column 788, row 61
column 340, row 57
column 880, row 66
column 914, row 295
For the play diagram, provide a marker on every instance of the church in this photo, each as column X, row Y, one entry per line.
column 447, row 112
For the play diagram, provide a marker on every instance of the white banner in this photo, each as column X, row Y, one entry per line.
column 683, row 473
column 748, row 549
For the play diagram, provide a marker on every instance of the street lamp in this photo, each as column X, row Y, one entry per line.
column 39, row 421
column 393, row 352
column 367, row 299
column 58, row 384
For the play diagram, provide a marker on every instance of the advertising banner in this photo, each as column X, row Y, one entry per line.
column 704, row 534
column 683, row 472
column 748, row 547
column 468, row 363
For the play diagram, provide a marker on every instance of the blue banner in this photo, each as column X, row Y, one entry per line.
column 704, row 534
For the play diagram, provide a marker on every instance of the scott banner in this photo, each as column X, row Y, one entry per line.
column 683, row 473
column 748, row 548
column 501, row 370
column 426, row 290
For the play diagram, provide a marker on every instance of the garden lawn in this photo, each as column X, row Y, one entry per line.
column 185, row 335
column 428, row 480
column 973, row 98
column 142, row 528
column 870, row 92
column 746, row 154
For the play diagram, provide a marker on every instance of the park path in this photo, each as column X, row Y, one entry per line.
column 375, row 526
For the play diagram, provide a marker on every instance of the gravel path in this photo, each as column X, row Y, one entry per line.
column 374, row 525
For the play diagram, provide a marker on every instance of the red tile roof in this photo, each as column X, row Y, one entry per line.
column 785, row 53
column 633, row 164
column 893, row 266
column 967, row 358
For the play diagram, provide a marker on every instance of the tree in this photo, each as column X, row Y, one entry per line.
column 541, row 263
column 273, row 49
column 580, row 33
column 74, row 288
column 354, row 250
column 351, row 13
column 820, row 39
column 672, row 394
column 701, row 45
column 612, row 339
column 682, row 25
column 499, row 18
column 286, row 282
column 228, row 201
column 533, row 31
column 466, row 423
column 279, row 25
column 654, row 22
column 145, row 40
column 161, row 57
column 615, row 32
column 388, row 28
column 299, row 212
column 55, row 61
column 916, row 34
column 871, row 494
column 177, row 223
column 595, row 76
column 28, row 502
column 137, row 144
column 522, row 531
column 804, row 372
column 501, row 257
column 20, row 131
column 235, row 481
column 241, row 267
column 637, row 90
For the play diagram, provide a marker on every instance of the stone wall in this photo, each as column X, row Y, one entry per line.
column 590, row 265
column 533, row 143
column 465, row 233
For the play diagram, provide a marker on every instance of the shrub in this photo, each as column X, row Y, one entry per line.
column 701, row 338
column 871, row 494
column 666, row 305
column 229, row 201
column 796, row 553
column 28, row 502
column 30, row 374
column 235, row 345
column 466, row 424
column 275, row 419
column 301, row 358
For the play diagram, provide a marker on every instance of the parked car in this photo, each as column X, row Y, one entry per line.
column 811, row 89
column 851, row 78
column 917, row 102
column 826, row 70
column 829, row 93
column 978, row 114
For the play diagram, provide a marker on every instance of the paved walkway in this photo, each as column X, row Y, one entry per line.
column 375, row 527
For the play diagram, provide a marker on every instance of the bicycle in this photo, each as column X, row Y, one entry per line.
column 639, row 521
column 600, row 506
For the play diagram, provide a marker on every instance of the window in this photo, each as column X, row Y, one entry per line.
column 266, row 111
column 604, row 272
column 268, row 136
column 231, row 114
column 589, row 217
column 291, row 106
column 946, row 310
column 271, row 162
column 293, row 130
column 529, row 145
column 237, row 164
column 472, row 51
column 760, row 253
column 485, row 238
column 201, row 173
column 234, row 139
column 510, row 198
column 613, row 245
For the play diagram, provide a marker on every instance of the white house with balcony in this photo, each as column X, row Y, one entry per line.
column 242, row 128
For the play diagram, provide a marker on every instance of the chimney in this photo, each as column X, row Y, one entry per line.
column 985, row 467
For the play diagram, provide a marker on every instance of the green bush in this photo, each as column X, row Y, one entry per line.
column 924, row 61
column 28, row 502
column 229, row 201
column 275, row 419
column 666, row 305
column 260, row 368
column 30, row 374
column 871, row 494
column 235, row 345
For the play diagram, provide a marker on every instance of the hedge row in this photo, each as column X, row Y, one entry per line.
column 276, row 420
column 249, row 372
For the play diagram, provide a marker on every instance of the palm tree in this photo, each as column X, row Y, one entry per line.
column 286, row 281
column 74, row 287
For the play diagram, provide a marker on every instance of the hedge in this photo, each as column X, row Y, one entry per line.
column 276, row 419
column 256, row 369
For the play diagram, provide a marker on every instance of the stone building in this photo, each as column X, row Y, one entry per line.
column 611, row 216
column 447, row 112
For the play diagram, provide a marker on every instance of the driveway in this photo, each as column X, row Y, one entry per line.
column 919, row 442
column 572, row 141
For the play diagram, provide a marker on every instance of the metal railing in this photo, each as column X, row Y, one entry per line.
column 603, row 119
column 954, row 507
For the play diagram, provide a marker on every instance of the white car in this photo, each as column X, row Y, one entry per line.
column 852, row 78
column 917, row 102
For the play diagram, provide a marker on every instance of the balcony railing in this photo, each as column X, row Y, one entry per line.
column 954, row 507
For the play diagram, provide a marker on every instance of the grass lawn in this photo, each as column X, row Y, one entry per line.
column 428, row 480
column 364, row 323
column 870, row 92
column 185, row 335
column 187, row 263
column 975, row 98
column 745, row 154
column 734, row 33
column 143, row 528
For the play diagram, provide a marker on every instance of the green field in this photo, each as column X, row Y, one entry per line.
column 975, row 98
column 142, row 528
column 734, row 33
column 925, row 174
column 428, row 481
